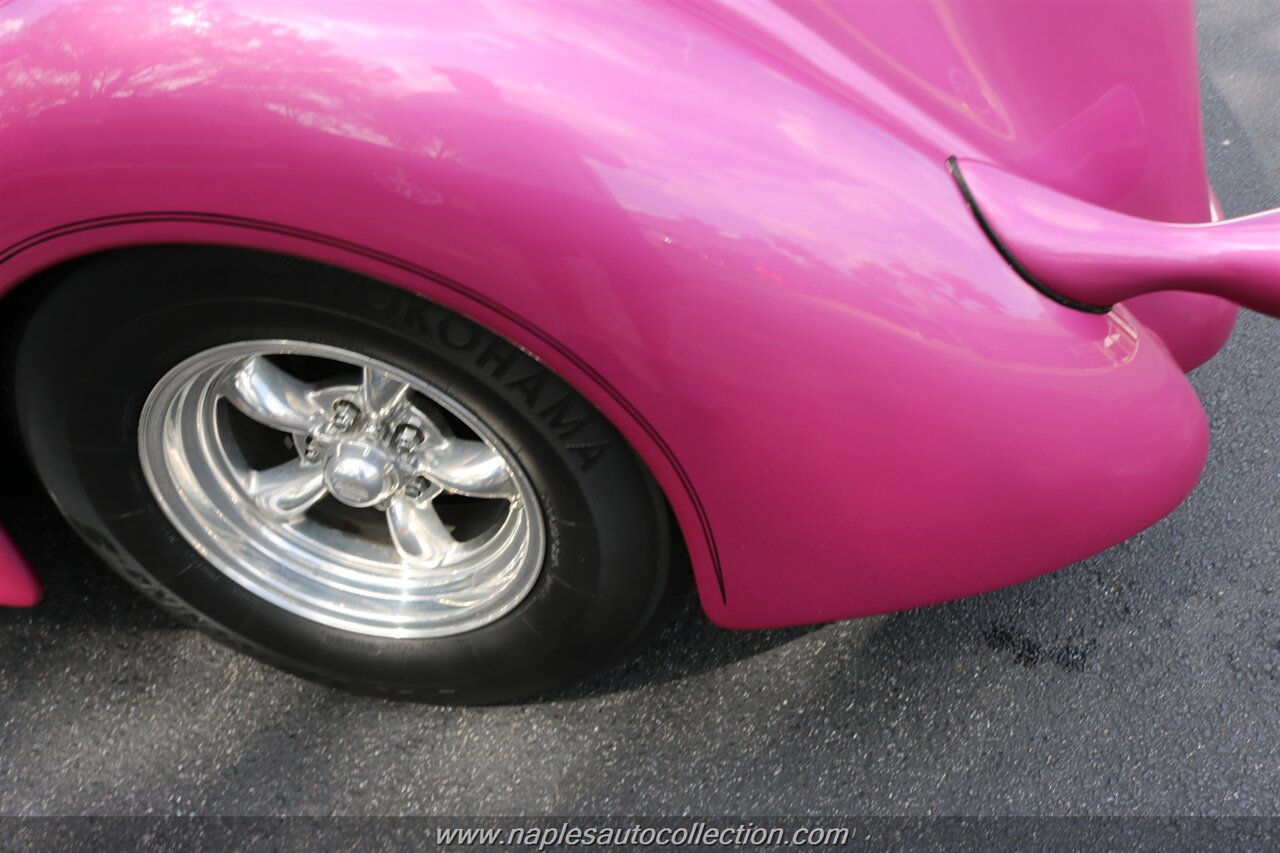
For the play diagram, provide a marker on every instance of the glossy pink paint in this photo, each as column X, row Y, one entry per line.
column 1097, row 101
column 730, row 227
column 18, row 586
column 1100, row 257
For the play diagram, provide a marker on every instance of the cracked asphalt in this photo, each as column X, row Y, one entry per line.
column 1144, row 681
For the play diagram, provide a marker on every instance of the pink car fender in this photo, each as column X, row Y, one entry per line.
column 731, row 228
column 19, row 587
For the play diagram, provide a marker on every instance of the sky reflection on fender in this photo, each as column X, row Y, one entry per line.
column 496, row 98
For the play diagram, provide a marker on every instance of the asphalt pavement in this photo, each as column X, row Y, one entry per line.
column 1144, row 681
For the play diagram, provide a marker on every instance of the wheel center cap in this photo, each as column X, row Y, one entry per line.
column 360, row 474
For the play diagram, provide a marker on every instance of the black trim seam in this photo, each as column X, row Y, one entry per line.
column 953, row 166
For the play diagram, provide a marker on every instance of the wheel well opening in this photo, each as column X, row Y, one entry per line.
column 22, row 301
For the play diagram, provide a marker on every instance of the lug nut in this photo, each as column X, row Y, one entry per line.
column 345, row 413
column 406, row 437
column 417, row 488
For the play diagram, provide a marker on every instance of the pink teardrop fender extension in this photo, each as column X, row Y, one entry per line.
column 1090, row 257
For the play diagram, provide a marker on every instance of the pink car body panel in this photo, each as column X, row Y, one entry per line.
column 19, row 587
column 1101, row 104
column 731, row 228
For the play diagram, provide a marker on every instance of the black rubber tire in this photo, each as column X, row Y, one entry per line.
column 107, row 333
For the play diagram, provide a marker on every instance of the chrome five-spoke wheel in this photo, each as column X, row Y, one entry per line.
column 396, row 513
column 338, row 476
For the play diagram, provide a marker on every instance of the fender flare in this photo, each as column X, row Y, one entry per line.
column 27, row 259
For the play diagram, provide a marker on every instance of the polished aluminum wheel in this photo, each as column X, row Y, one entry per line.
column 342, row 489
